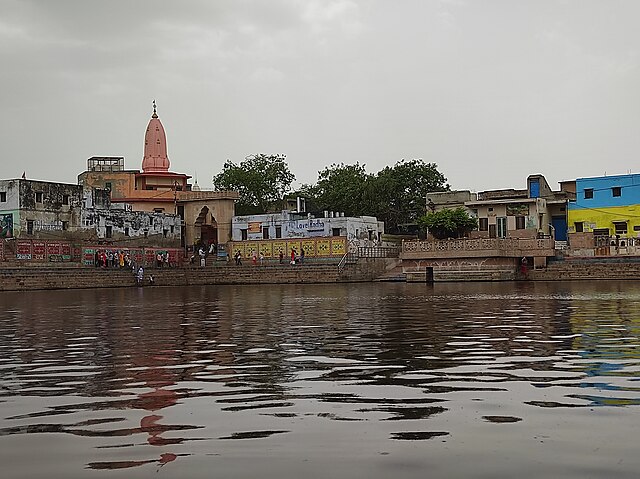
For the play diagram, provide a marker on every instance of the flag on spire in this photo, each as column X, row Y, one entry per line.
column 24, row 175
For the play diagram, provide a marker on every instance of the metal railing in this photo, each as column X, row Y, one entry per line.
column 378, row 252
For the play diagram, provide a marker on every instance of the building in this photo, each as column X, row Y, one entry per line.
column 39, row 209
column 512, row 213
column 604, row 218
column 206, row 215
column 360, row 230
column 43, row 210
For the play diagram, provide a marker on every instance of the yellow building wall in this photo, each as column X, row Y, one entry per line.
column 336, row 246
column 598, row 218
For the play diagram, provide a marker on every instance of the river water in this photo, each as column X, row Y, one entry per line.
column 373, row 380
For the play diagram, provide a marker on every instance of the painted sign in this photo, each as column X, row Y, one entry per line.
column 23, row 249
column 6, row 225
column 254, row 227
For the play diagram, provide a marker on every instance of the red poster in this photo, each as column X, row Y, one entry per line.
column 149, row 257
column 54, row 247
column 23, row 249
column 65, row 249
column 1, row 250
column 39, row 250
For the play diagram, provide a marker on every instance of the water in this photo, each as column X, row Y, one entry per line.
column 364, row 380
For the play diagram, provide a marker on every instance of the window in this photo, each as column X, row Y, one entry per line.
column 588, row 193
column 158, row 210
column 107, row 186
column 520, row 223
column 38, row 196
column 616, row 191
column 621, row 227
column 29, row 227
column 126, row 231
column 335, row 231
column 165, row 233
column 3, row 196
column 265, row 232
column 483, row 224
column 278, row 231
column 579, row 226
column 171, row 227
column 108, row 232
column 502, row 226
column 65, row 199
column 65, row 225
column 244, row 234
column 491, row 208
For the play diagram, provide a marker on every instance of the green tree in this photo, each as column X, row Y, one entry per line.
column 262, row 181
column 448, row 223
column 342, row 188
column 399, row 192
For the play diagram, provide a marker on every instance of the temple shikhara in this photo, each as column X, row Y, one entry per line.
column 205, row 215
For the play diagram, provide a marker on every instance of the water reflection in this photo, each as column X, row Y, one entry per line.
column 329, row 374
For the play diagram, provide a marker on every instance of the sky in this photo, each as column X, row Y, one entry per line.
column 490, row 91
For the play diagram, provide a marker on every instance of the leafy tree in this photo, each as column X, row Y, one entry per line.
column 448, row 223
column 262, row 181
column 342, row 188
column 400, row 191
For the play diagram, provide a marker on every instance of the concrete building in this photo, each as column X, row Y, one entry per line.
column 206, row 215
column 512, row 213
column 604, row 218
column 39, row 209
column 361, row 230
column 43, row 210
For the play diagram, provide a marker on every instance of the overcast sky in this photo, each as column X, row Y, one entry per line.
column 490, row 91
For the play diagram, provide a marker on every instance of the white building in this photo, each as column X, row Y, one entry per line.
column 360, row 230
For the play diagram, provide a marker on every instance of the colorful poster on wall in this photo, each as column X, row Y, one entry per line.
column 338, row 247
column 6, row 225
column 238, row 247
column 23, row 249
column 266, row 248
column 279, row 246
column 517, row 209
column 88, row 256
column 66, row 251
column 293, row 245
column 39, row 250
column 309, row 247
column 54, row 251
column 323, row 247
column 254, row 227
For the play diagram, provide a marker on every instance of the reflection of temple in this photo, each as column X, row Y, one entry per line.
column 206, row 215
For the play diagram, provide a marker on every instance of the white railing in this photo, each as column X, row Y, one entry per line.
column 478, row 244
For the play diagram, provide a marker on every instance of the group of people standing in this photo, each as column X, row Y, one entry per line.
column 112, row 259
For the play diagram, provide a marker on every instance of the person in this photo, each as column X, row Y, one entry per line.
column 140, row 276
column 203, row 255
column 212, row 248
column 121, row 259
column 254, row 258
column 165, row 258
column 261, row 258
column 238, row 257
column 293, row 256
column 281, row 256
column 159, row 259
column 151, row 280
column 301, row 255
column 523, row 266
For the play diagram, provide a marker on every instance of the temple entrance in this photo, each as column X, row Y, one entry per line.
column 208, row 227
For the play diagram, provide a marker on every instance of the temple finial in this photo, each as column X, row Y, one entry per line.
column 155, row 115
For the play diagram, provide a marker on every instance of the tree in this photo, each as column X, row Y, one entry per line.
column 400, row 191
column 262, row 181
column 448, row 223
column 342, row 188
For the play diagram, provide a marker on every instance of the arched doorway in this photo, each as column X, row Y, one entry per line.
column 208, row 227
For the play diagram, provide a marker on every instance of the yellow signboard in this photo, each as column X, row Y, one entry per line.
column 323, row 247
column 255, row 227
column 338, row 247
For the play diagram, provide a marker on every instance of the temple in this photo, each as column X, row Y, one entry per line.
column 206, row 215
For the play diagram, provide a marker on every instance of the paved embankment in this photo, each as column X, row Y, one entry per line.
column 30, row 278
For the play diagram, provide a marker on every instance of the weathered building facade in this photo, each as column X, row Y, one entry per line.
column 39, row 209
